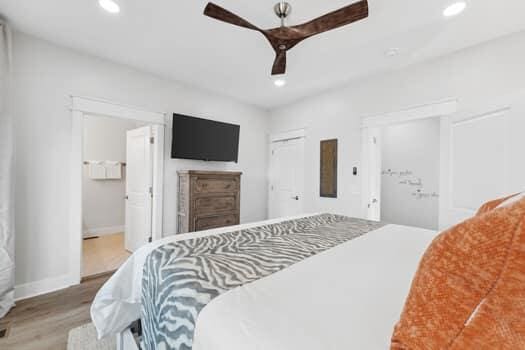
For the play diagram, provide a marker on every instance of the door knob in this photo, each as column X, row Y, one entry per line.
column 296, row 198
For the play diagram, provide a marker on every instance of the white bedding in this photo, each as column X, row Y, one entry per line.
column 117, row 303
column 349, row 297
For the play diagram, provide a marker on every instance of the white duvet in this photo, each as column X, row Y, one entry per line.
column 348, row 297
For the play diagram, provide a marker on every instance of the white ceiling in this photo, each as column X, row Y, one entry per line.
column 172, row 38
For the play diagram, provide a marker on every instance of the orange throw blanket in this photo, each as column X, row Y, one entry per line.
column 485, row 208
column 469, row 291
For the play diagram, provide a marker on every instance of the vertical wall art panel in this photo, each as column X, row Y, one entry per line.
column 328, row 183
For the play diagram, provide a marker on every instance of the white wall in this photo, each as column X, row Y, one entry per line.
column 481, row 156
column 473, row 76
column 410, row 173
column 44, row 77
column 103, row 204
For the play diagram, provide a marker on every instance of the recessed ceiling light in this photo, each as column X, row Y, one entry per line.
column 109, row 5
column 279, row 82
column 455, row 9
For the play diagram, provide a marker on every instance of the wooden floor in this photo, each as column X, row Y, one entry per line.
column 103, row 254
column 43, row 322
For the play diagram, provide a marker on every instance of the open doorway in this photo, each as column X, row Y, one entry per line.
column 104, row 191
column 410, row 171
column 117, row 185
column 403, row 165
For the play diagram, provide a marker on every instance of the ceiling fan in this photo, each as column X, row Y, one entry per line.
column 284, row 38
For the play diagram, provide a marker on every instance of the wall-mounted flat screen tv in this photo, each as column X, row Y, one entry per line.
column 203, row 139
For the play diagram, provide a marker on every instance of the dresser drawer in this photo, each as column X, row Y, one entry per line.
column 208, row 199
column 210, row 185
column 209, row 222
column 207, row 205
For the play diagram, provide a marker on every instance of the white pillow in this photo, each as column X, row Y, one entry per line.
column 512, row 200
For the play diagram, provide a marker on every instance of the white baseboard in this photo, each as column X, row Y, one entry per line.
column 102, row 231
column 48, row 285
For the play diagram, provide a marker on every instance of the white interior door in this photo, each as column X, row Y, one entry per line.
column 481, row 158
column 372, row 182
column 286, row 178
column 139, row 188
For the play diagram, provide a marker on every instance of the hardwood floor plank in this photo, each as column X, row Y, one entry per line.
column 44, row 322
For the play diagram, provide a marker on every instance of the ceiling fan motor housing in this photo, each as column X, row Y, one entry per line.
column 282, row 9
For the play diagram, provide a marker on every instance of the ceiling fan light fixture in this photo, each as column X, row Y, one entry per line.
column 110, row 6
column 455, row 9
column 279, row 82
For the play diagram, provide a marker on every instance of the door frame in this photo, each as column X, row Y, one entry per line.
column 371, row 185
column 371, row 124
column 80, row 107
column 279, row 137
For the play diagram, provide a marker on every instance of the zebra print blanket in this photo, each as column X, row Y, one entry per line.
column 181, row 278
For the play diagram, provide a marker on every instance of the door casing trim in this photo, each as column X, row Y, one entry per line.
column 80, row 107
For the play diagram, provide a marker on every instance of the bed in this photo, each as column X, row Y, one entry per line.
column 338, row 283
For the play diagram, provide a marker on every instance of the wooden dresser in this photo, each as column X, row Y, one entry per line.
column 208, row 199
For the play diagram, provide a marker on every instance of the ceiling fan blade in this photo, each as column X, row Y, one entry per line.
column 217, row 12
column 279, row 65
column 333, row 20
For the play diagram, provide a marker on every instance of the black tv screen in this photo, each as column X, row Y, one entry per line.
column 202, row 139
